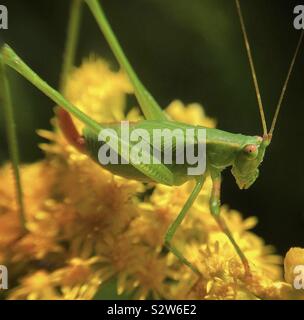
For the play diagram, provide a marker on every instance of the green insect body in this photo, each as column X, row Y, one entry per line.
column 223, row 149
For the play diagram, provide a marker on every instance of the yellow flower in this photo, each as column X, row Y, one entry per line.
column 97, row 90
column 193, row 113
column 10, row 228
column 79, row 279
column 294, row 257
column 36, row 286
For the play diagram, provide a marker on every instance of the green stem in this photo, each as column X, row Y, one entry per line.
column 71, row 41
column 12, row 139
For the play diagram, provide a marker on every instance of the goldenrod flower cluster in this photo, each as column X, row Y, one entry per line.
column 86, row 226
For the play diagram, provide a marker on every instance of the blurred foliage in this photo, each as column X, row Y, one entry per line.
column 191, row 50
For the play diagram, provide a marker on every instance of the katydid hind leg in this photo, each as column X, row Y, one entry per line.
column 177, row 222
column 149, row 106
column 11, row 59
column 158, row 172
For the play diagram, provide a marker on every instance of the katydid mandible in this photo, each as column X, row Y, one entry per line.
column 241, row 152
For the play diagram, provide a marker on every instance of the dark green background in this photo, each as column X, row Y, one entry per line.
column 191, row 50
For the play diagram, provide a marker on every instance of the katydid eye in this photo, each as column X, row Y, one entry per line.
column 251, row 150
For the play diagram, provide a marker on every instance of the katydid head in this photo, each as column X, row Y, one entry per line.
column 246, row 165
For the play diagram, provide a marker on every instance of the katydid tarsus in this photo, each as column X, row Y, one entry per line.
column 241, row 152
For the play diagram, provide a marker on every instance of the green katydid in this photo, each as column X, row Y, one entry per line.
column 241, row 152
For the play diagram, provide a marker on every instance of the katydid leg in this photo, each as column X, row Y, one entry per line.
column 148, row 104
column 10, row 58
column 176, row 223
column 215, row 208
column 69, row 130
column 158, row 172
